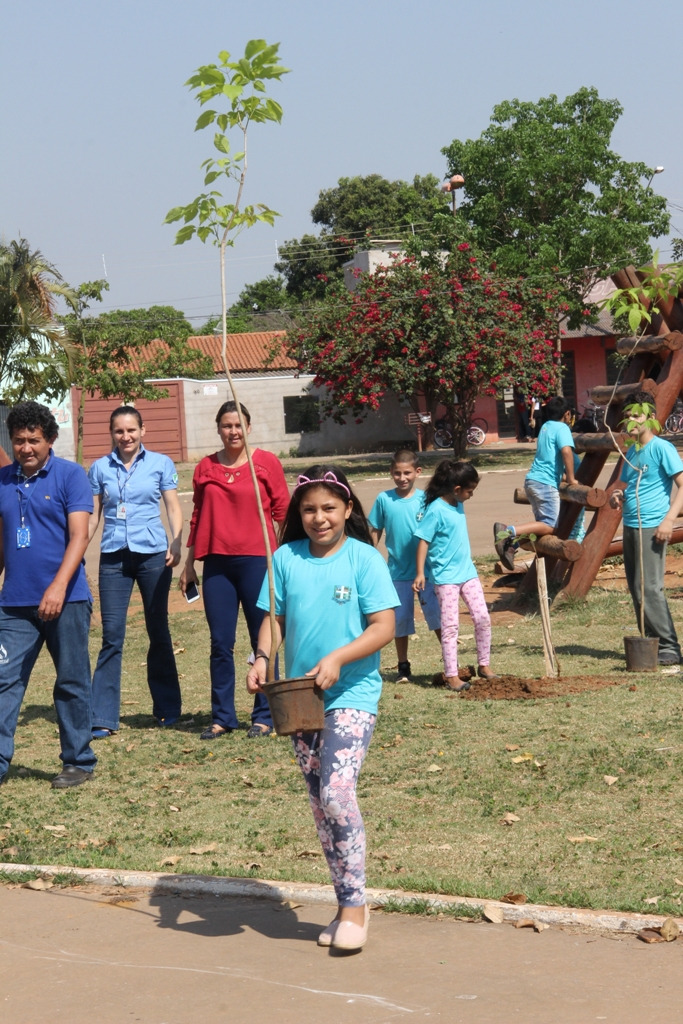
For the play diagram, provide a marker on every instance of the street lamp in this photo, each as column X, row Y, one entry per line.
column 657, row 170
column 454, row 183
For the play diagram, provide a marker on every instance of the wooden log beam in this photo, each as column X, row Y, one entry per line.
column 590, row 497
column 601, row 443
column 663, row 343
column 606, row 393
column 554, row 547
column 617, row 545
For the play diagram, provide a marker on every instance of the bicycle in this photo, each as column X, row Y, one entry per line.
column 674, row 422
column 476, row 433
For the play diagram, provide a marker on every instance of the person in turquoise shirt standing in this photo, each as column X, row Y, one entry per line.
column 397, row 512
column 658, row 465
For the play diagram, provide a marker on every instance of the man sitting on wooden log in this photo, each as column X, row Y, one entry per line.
column 658, row 466
column 554, row 458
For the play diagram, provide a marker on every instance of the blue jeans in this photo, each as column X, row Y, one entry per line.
column 230, row 581
column 22, row 635
column 119, row 570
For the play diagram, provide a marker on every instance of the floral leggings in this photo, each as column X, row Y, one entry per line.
column 331, row 761
column 473, row 595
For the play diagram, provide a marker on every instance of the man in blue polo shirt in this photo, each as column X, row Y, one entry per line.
column 45, row 507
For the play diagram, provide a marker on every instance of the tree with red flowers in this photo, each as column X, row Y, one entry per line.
column 436, row 327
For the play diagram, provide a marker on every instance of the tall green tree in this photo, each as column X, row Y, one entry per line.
column 438, row 328
column 546, row 196
column 350, row 214
column 35, row 354
column 109, row 351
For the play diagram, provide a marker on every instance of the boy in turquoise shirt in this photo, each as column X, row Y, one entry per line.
column 397, row 512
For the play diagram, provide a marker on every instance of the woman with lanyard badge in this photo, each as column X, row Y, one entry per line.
column 128, row 485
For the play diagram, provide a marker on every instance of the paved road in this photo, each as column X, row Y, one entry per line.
column 83, row 955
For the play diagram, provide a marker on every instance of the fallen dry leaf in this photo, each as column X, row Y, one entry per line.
column 38, row 883
column 670, row 930
column 496, row 915
column 130, row 747
column 171, row 807
column 525, row 922
column 540, row 926
column 522, row 757
column 55, row 828
column 247, row 782
column 512, row 746
column 170, row 861
column 309, row 853
column 130, row 701
column 434, row 768
column 610, row 779
column 178, row 650
column 200, row 850
column 252, row 866
column 445, row 846
column 517, row 898
column 10, row 851
column 398, row 696
column 582, row 839
column 509, row 818
column 650, row 935
column 652, row 901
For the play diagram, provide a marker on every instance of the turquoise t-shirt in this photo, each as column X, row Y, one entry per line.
column 660, row 462
column 548, row 467
column 325, row 602
column 398, row 517
column 444, row 527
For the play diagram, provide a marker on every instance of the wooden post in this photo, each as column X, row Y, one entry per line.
column 555, row 547
column 549, row 656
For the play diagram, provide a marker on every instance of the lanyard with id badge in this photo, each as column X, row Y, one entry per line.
column 24, row 495
column 121, row 503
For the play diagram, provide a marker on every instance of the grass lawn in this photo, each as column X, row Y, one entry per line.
column 442, row 773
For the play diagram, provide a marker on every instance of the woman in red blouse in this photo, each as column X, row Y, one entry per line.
column 225, row 533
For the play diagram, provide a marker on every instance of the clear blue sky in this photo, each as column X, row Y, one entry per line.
column 97, row 128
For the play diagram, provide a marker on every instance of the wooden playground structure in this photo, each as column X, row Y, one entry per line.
column 656, row 366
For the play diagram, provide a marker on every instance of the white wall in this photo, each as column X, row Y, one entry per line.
column 263, row 398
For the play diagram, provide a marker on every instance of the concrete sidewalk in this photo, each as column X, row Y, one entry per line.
column 163, row 955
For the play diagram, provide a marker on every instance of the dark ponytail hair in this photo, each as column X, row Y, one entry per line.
column 334, row 479
column 448, row 475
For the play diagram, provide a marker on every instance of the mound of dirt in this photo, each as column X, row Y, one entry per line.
column 516, row 688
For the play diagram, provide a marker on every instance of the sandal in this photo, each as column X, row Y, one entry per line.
column 100, row 733
column 486, row 675
column 259, row 730
column 457, row 689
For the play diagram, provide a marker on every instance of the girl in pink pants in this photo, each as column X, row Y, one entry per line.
column 443, row 556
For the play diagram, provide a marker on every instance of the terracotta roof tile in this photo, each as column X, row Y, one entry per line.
column 246, row 352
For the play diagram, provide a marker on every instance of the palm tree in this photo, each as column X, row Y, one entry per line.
column 35, row 353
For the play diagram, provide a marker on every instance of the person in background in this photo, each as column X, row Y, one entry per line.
column 443, row 551
column 128, row 485
column 226, row 534
column 397, row 512
column 45, row 508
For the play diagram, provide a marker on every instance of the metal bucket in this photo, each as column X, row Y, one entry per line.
column 641, row 653
column 296, row 705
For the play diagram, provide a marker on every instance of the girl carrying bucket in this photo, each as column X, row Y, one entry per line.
column 334, row 602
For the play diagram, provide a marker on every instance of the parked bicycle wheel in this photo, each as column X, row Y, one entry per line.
column 674, row 423
column 475, row 435
column 443, row 438
column 480, row 422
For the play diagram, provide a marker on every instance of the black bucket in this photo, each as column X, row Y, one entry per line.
column 641, row 653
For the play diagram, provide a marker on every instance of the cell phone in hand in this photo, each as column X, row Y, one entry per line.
column 191, row 593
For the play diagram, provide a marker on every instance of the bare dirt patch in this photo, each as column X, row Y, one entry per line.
column 516, row 688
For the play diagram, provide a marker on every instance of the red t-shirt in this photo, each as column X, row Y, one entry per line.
column 225, row 519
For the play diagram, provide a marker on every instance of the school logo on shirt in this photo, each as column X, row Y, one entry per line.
column 342, row 594
column 419, row 517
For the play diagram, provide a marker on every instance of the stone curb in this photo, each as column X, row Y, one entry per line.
column 210, row 885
